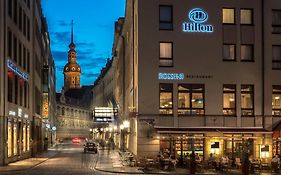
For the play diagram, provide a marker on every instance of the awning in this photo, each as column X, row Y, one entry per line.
column 276, row 130
column 182, row 130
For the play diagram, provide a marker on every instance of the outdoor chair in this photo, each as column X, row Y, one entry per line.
column 238, row 163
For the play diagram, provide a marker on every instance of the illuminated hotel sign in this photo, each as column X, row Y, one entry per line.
column 197, row 17
column 171, row 76
column 104, row 114
column 15, row 69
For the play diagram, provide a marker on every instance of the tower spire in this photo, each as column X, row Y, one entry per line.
column 72, row 31
column 72, row 45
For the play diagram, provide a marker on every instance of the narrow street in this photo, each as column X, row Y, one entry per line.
column 69, row 160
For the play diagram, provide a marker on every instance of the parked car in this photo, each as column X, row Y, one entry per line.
column 90, row 147
column 76, row 140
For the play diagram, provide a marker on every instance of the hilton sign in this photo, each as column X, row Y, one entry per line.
column 198, row 17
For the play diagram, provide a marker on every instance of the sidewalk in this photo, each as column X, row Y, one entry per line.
column 30, row 162
column 111, row 161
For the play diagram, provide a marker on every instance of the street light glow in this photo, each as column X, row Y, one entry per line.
column 126, row 124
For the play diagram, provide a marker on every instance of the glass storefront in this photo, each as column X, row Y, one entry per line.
column 28, row 136
column 182, row 145
column 15, row 139
column 18, row 137
column 10, row 137
column 24, row 138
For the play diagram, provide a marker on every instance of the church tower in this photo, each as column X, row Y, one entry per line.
column 71, row 70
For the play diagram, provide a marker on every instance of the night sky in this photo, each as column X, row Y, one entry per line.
column 93, row 33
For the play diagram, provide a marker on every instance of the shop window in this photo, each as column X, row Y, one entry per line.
column 15, row 139
column 191, row 99
column 166, row 99
column 24, row 138
column 276, row 21
column 276, row 57
column 165, row 17
column 10, row 137
column 228, row 16
column 247, row 100
column 166, row 54
column 229, row 100
column 246, row 16
column 229, row 51
column 276, row 100
column 27, row 137
column 247, row 51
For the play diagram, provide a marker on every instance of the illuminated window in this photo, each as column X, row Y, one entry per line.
column 10, row 137
column 166, row 54
column 165, row 17
column 229, row 100
column 15, row 140
column 27, row 137
column 24, row 138
column 276, row 100
column 246, row 16
column 229, row 52
column 191, row 99
column 276, row 21
column 247, row 52
column 228, row 16
column 276, row 57
column 166, row 99
column 247, row 99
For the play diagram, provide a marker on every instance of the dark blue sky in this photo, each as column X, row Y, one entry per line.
column 93, row 33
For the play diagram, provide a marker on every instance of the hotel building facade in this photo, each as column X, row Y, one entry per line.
column 200, row 75
column 25, row 49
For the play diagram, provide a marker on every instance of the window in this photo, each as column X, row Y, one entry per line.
column 166, row 99
column 247, row 100
column 27, row 137
column 191, row 99
column 16, row 88
column 10, row 141
column 10, row 40
column 229, row 99
column 24, row 138
column 276, row 100
column 166, row 54
column 165, row 17
column 229, row 52
column 276, row 57
column 15, row 11
column 10, row 86
column 10, row 8
column 276, row 21
column 62, row 111
column 247, row 52
column 15, row 56
column 15, row 139
column 20, row 18
column 228, row 16
column 246, row 16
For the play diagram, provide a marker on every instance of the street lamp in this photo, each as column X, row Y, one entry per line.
column 126, row 124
